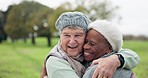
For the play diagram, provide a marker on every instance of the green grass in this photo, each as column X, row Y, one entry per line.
column 20, row 60
column 23, row 60
column 141, row 47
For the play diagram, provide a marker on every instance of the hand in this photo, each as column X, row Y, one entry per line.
column 106, row 66
column 133, row 75
column 43, row 73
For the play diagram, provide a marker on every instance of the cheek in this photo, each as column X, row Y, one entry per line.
column 81, row 41
column 64, row 40
column 81, row 44
column 63, row 43
column 96, row 53
column 91, row 57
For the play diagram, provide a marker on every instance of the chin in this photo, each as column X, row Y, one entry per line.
column 87, row 59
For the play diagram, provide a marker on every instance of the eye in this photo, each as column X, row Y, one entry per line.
column 92, row 44
column 89, row 43
column 66, row 35
column 78, row 35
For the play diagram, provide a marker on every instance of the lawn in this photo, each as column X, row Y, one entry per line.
column 23, row 60
column 141, row 47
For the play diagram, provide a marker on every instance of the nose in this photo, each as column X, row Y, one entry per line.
column 86, row 46
column 72, row 40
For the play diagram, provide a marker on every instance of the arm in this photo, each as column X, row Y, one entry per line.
column 43, row 72
column 131, row 58
column 108, row 65
column 59, row 68
column 119, row 73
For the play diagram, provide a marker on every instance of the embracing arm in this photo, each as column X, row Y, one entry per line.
column 131, row 58
column 108, row 65
column 59, row 68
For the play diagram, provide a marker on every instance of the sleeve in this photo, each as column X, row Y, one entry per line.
column 89, row 71
column 131, row 58
column 59, row 68
column 119, row 73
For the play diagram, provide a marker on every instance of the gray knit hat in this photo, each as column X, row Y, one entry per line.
column 110, row 32
column 72, row 19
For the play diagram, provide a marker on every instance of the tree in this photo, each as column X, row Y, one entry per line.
column 57, row 12
column 22, row 19
column 2, row 33
column 97, row 9
column 39, row 23
column 94, row 9
column 104, row 10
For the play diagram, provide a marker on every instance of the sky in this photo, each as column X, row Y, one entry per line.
column 134, row 13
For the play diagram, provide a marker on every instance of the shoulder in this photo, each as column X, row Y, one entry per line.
column 59, row 68
column 53, row 61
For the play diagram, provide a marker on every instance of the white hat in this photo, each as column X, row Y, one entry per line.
column 110, row 32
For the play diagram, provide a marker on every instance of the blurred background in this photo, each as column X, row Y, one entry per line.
column 27, row 30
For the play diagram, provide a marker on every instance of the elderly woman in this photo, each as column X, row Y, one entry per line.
column 65, row 59
column 103, row 40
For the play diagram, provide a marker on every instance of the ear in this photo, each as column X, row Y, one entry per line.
column 109, row 49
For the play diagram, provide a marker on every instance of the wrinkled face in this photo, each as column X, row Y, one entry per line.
column 72, row 40
column 95, row 45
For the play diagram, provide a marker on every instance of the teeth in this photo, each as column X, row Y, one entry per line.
column 72, row 46
column 86, row 53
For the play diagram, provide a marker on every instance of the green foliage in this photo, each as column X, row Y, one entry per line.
column 57, row 12
column 97, row 9
column 2, row 33
column 40, row 19
column 24, row 16
column 21, row 60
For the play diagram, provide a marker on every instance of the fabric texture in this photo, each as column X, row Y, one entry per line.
column 74, row 62
column 72, row 19
column 59, row 68
column 131, row 58
column 119, row 73
column 109, row 31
